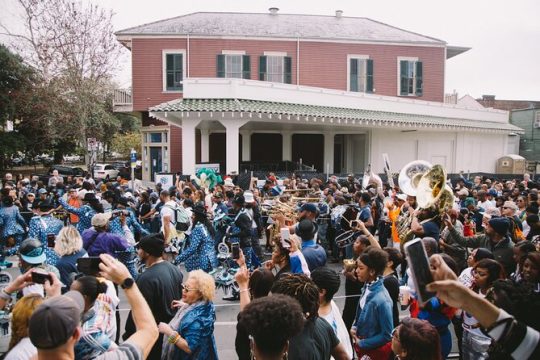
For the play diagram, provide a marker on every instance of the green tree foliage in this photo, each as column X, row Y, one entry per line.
column 72, row 46
column 123, row 143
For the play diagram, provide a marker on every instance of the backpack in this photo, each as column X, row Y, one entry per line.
column 181, row 218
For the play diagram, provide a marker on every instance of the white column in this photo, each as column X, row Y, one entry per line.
column 232, row 131
column 246, row 145
column 205, row 145
column 328, row 152
column 188, row 145
column 287, row 146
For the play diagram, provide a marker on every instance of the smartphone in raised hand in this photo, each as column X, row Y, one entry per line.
column 89, row 265
column 235, row 251
column 285, row 238
column 420, row 271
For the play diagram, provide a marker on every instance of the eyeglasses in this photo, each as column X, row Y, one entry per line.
column 188, row 289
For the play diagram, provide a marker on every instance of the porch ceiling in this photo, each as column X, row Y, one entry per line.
column 317, row 115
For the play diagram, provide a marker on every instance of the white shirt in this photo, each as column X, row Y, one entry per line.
column 336, row 321
column 168, row 210
column 23, row 350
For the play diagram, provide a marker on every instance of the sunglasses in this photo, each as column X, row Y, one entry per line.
column 187, row 289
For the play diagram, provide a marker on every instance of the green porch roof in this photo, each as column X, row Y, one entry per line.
column 328, row 112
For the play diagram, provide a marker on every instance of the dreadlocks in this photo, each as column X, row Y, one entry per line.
column 301, row 288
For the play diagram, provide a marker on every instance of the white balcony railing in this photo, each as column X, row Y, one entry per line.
column 122, row 100
column 122, row 97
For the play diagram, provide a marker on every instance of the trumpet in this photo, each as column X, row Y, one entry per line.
column 305, row 199
column 349, row 264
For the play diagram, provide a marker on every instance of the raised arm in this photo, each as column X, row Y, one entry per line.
column 146, row 332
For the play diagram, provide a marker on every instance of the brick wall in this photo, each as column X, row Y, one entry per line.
column 321, row 64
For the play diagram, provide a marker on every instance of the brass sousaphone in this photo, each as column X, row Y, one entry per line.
column 432, row 191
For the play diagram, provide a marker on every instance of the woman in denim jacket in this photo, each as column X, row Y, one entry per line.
column 372, row 329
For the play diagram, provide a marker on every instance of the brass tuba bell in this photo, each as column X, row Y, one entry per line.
column 432, row 190
column 410, row 176
column 370, row 178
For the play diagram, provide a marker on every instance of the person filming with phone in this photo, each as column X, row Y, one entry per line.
column 495, row 239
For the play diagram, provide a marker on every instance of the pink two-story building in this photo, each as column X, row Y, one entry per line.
column 332, row 92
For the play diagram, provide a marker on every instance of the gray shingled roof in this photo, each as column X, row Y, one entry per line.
column 280, row 26
column 328, row 112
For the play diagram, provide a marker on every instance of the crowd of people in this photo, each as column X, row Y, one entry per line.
column 281, row 240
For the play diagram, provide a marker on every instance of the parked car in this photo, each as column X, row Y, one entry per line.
column 119, row 165
column 17, row 161
column 72, row 158
column 63, row 170
column 105, row 171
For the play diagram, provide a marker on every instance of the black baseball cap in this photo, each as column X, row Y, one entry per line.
column 153, row 244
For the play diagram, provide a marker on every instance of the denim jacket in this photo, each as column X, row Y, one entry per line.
column 374, row 323
column 197, row 328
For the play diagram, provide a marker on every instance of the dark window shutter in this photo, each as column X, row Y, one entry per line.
column 262, row 68
column 287, row 64
column 246, row 67
column 369, row 75
column 179, row 72
column 403, row 71
column 419, row 81
column 353, row 86
column 220, row 66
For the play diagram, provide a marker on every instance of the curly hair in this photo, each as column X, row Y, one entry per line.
column 20, row 317
column 494, row 268
column 205, row 282
column 271, row 321
column 68, row 241
column 519, row 300
column 419, row 339
column 303, row 289
column 375, row 259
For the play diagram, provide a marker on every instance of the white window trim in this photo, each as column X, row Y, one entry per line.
column 275, row 53
column 233, row 52
column 349, row 57
column 537, row 119
column 282, row 55
column 164, row 67
column 147, row 145
column 404, row 58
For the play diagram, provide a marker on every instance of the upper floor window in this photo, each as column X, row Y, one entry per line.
column 173, row 70
column 360, row 73
column 275, row 67
column 410, row 77
column 233, row 64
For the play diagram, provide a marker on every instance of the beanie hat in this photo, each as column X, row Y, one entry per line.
column 500, row 225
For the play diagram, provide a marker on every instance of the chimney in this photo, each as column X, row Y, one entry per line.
column 339, row 13
column 273, row 10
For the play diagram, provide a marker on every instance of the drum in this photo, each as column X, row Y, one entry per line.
column 346, row 238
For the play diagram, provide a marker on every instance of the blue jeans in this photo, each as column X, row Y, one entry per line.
column 474, row 346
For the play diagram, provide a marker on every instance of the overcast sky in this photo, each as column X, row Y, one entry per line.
column 504, row 35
